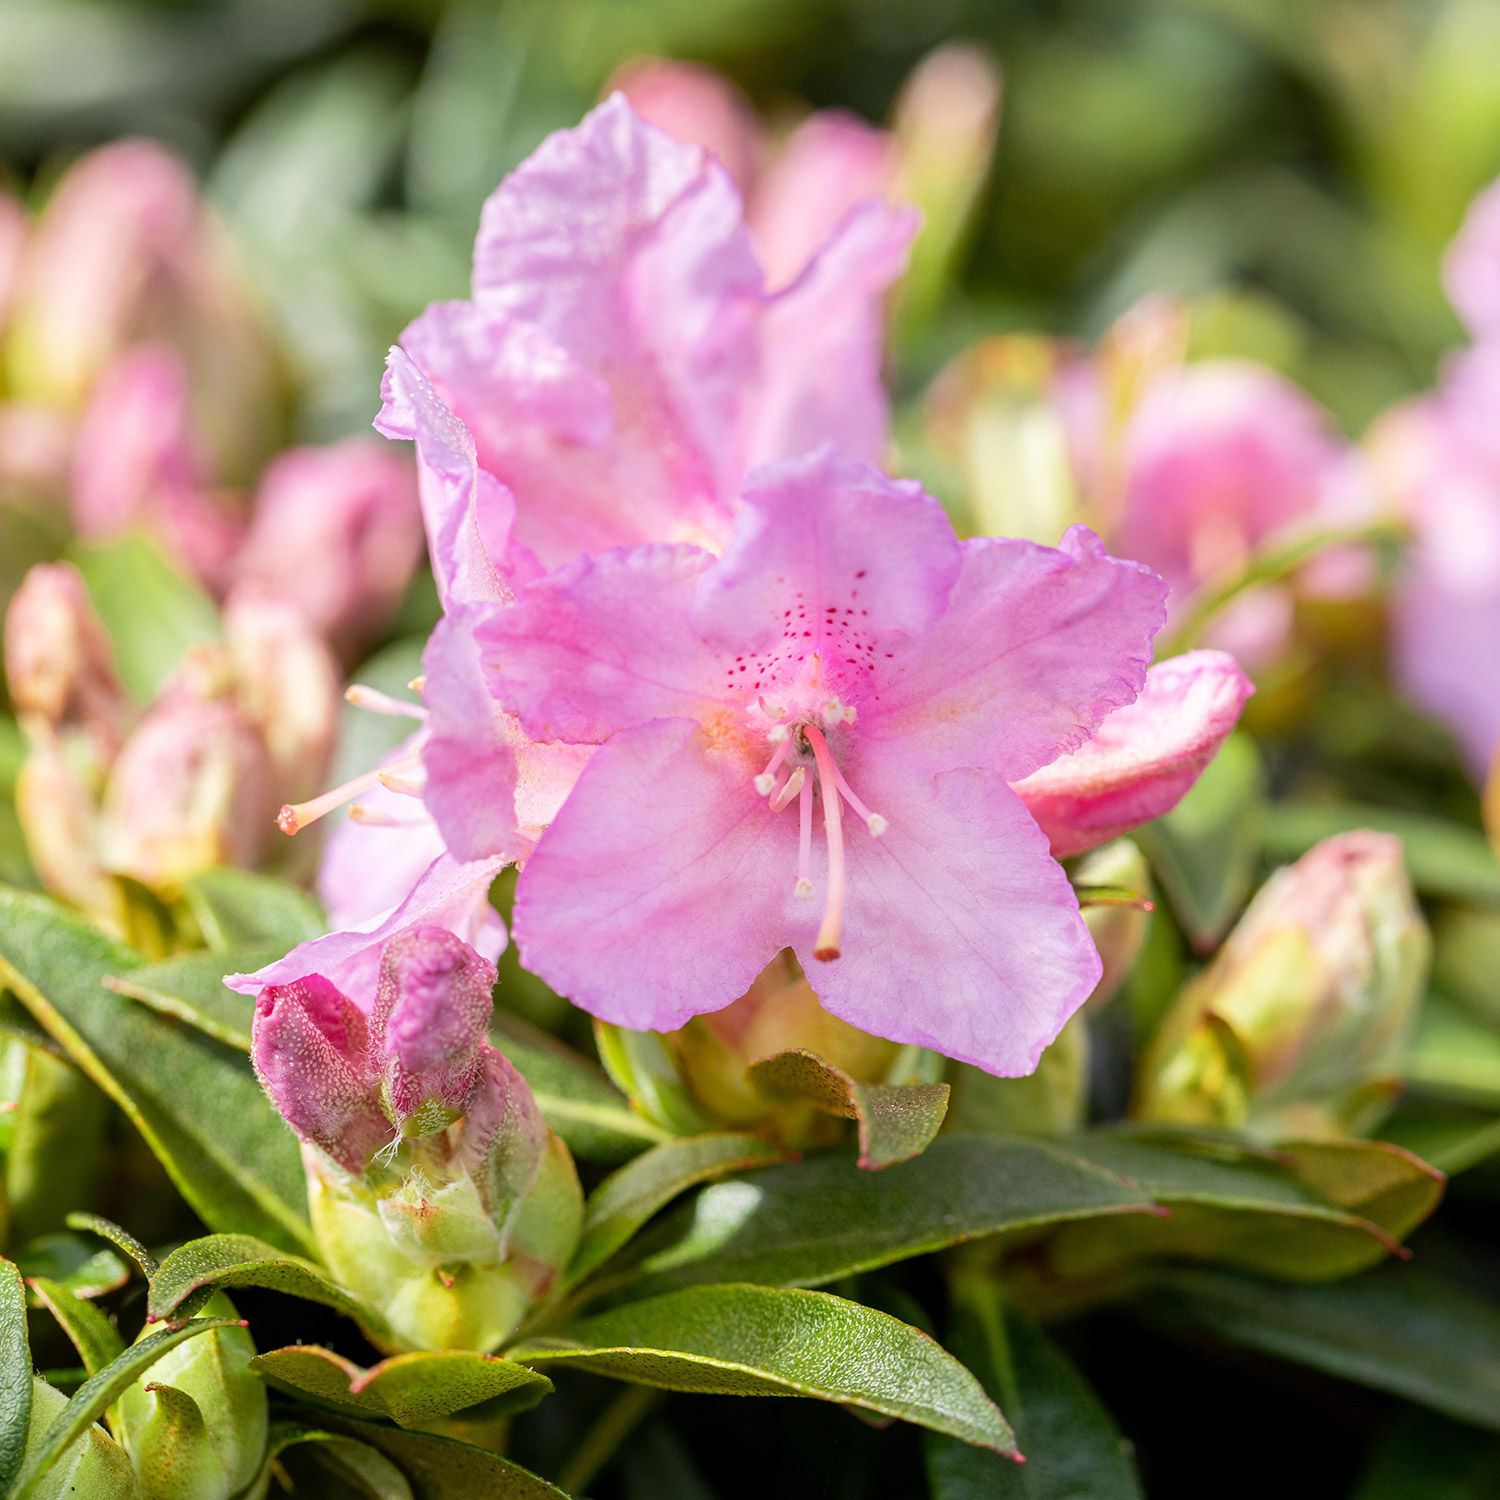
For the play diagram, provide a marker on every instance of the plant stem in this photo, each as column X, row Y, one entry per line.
column 615, row 1424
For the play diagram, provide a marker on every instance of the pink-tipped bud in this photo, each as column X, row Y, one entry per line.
column 1144, row 758
column 504, row 1138
column 59, row 663
column 58, row 817
column 287, row 682
column 310, row 1047
column 339, row 531
column 190, row 789
column 432, row 1011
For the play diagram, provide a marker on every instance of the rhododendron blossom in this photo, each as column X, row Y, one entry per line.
column 846, row 657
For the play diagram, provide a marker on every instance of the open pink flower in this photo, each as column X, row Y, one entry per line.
column 621, row 365
column 847, row 650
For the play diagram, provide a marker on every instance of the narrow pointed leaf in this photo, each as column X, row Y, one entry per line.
column 192, row 989
column 93, row 1335
column 896, row 1121
column 15, row 1373
column 631, row 1195
column 768, row 1341
column 234, row 907
column 72, row 1262
column 94, row 1397
column 229, row 1260
column 196, row 1101
column 410, row 1389
column 1380, row 1182
column 1454, row 1056
column 372, row 1472
column 121, row 1239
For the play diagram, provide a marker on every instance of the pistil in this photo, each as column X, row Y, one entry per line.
column 826, row 946
column 296, row 816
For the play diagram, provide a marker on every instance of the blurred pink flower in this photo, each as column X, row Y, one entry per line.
column 621, row 365
column 338, row 530
column 846, row 638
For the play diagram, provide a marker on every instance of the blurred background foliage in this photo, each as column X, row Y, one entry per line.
column 1292, row 167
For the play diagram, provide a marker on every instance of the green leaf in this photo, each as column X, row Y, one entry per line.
column 1073, row 1450
column 15, row 1373
column 1206, row 849
column 646, row 1073
column 352, row 1461
column 70, row 1261
column 1450, row 1136
column 152, row 612
column 410, row 1389
column 1443, row 859
column 192, row 989
column 1379, row 1181
column 228, row 1260
column 1423, row 1456
column 93, row 1335
column 1398, row 1328
column 121, row 1239
column 630, row 1196
column 234, row 907
column 896, row 1121
column 768, row 1341
column 98, row 1393
column 1454, row 1056
column 805, row 1223
column 593, row 1118
column 196, row 1101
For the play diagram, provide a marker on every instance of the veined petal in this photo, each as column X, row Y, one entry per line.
column 1144, row 757
column 1038, row 645
column 963, row 933
column 660, row 890
column 603, row 643
column 835, row 540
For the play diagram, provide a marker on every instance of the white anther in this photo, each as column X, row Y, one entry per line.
column 802, row 889
column 876, row 824
column 778, row 733
column 793, row 786
column 764, row 784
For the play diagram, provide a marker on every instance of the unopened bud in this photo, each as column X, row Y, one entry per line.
column 191, row 789
column 1117, row 927
column 94, row 1467
column 59, row 820
column 59, row 663
column 1299, row 1026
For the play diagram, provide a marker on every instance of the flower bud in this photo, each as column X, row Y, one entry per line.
column 191, row 789
column 338, row 530
column 196, row 1422
column 58, row 818
column 1299, row 1026
column 1117, row 930
column 59, row 664
column 95, row 1467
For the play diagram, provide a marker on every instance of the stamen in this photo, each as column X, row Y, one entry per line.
column 873, row 821
column 826, row 945
column 835, row 712
column 803, row 887
column 296, row 816
column 794, row 785
column 376, row 702
column 408, row 786
column 765, row 783
column 418, row 683
column 377, row 817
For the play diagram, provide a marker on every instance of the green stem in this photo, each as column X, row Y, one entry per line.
column 1267, row 567
column 615, row 1424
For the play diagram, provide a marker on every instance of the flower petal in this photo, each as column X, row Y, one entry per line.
column 1037, row 646
column 1471, row 269
column 961, row 933
column 660, row 890
column 1144, row 757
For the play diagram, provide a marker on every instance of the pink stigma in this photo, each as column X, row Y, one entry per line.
column 826, row 946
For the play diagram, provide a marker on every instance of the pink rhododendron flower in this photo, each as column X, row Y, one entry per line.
column 1144, row 757
column 847, row 650
column 621, row 365
column 1471, row 270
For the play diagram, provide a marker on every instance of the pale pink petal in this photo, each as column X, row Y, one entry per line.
column 821, row 342
column 961, row 933
column 1471, row 269
column 864, row 559
column 661, row 889
column 603, row 643
column 832, row 161
column 1038, row 645
column 1144, row 757
column 12, row 244
column 449, row 894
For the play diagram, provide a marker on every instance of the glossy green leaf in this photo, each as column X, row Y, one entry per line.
column 769, row 1341
column 1205, row 850
column 1424, row 1456
column 593, row 1118
column 230, row 1260
column 1073, row 1450
column 1398, row 1328
column 196, row 1101
column 192, row 989
column 645, row 1071
column 809, row 1222
column 57, row 1142
column 235, row 907
column 92, row 1334
column 72, row 1262
column 631, row 1195
column 410, row 1389
column 93, row 1398
column 896, row 1121
column 15, row 1372
column 1454, row 1056
column 121, row 1239
column 1443, row 858
column 1379, row 1181
column 1451, row 1136
column 152, row 612
column 356, row 1464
